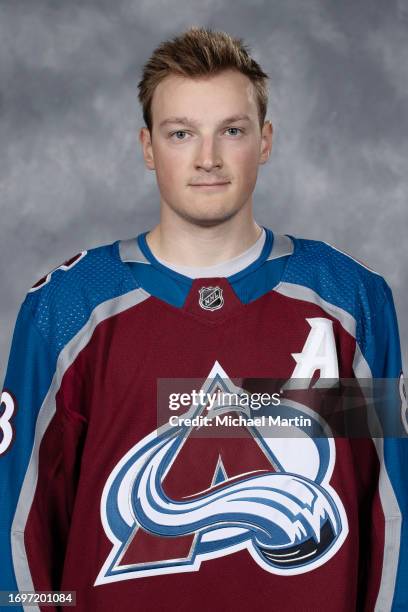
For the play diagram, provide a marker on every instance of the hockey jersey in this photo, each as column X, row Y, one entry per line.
column 99, row 497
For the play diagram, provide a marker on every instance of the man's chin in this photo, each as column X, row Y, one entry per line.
column 206, row 219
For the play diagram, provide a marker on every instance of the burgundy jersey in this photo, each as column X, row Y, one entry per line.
column 104, row 495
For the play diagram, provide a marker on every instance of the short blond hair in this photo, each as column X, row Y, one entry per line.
column 200, row 52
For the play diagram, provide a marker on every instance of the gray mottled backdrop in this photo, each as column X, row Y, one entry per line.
column 71, row 170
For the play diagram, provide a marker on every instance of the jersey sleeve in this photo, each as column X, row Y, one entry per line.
column 40, row 442
column 386, row 363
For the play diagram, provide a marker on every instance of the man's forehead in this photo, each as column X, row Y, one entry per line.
column 185, row 120
column 230, row 91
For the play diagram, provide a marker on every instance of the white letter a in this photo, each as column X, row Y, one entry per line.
column 319, row 352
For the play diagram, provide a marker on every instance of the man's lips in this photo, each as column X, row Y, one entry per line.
column 217, row 184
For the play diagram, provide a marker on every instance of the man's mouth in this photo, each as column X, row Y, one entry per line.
column 212, row 185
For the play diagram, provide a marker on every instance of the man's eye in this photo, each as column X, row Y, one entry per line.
column 237, row 130
column 177, row 133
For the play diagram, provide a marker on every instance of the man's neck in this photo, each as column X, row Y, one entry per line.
column 189, row 244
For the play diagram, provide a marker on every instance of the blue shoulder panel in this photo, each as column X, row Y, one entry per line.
column 340, row 280
column 62, row 305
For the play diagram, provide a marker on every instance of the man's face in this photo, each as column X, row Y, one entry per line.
column 206, row 131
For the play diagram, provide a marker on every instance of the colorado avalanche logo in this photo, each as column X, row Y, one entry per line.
column 277, row 502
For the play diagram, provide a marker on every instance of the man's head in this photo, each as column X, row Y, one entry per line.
column 204, row 102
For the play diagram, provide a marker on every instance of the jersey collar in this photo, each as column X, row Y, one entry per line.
column 227, row 269
column 136, row 251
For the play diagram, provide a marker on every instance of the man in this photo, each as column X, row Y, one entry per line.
column 105, row 497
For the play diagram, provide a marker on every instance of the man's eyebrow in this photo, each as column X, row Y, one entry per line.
column 187, row 121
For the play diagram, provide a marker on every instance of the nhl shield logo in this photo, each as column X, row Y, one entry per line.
column 211, row 298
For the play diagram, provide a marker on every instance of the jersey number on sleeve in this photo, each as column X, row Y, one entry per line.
column 8, row 407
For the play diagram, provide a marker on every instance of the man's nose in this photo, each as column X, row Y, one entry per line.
column 208, row 155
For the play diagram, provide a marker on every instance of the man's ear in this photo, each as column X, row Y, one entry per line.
column 146, row 142
column 266, row 141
